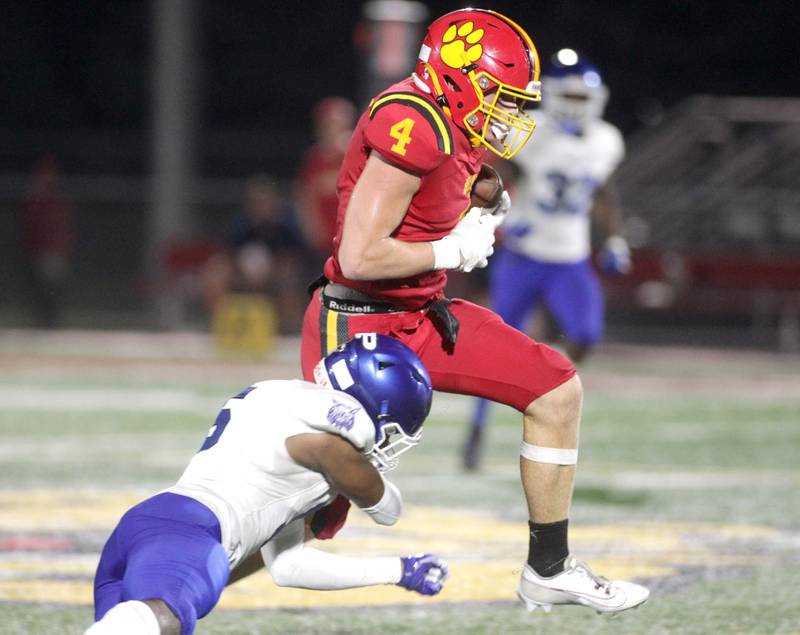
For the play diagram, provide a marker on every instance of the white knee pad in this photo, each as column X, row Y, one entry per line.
column 541, row 454
column 128, row 618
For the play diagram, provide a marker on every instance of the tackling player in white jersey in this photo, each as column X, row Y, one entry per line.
column 277, row 452
column 563, row 183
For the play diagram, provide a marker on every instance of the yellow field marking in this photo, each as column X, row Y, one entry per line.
column 485, row 553
column 49, row 591
column 83, row 567
column 48, row 510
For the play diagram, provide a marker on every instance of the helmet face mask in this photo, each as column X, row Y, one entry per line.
column 392, row 385
column 506, row 127
column 473, row 60
column 392, row 441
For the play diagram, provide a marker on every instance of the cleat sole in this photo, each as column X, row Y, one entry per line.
column 533, row 606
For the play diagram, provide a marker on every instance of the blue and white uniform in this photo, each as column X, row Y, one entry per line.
column 244, row 474
column 546, row 246
column 237, row 492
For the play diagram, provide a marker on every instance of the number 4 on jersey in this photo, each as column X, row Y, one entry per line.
column 401, row 131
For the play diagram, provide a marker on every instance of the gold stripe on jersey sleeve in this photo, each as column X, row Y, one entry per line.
column 440, row 128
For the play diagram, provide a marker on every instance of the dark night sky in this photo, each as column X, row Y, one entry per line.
column 85, row 64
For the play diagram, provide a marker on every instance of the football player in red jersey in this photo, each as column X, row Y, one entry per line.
column 404, row 218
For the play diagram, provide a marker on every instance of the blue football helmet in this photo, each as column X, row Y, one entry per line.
column 573, row 92
column 392, row 385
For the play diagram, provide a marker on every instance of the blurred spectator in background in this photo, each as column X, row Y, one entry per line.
column 315, row 195
column 387, row 42
column 564, row 181
column 47, row 240
column 263, row 255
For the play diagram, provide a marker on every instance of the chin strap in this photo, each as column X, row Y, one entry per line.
column 441, row 100
column 420, row 84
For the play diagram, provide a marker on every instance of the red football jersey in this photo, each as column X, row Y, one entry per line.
column 408, row 129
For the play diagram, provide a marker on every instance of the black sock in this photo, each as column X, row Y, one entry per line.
column 547, row 549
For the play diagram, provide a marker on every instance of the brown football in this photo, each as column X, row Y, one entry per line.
column 487, row 189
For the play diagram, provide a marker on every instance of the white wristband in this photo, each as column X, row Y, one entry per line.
column 446, row 253
column 388, row 509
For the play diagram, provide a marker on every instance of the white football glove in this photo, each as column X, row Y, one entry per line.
column 498, row 215
column 468, row 246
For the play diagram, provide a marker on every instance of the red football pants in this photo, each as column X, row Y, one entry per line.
column 490, row 358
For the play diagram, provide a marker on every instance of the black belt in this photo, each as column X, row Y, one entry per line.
column 340, row 298
column 353, row 301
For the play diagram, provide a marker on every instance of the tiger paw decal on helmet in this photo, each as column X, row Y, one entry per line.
column 482, row 69
column 455, row 52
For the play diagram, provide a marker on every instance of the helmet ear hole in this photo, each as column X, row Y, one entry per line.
column 451, row 84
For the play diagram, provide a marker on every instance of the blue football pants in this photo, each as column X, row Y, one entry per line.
column 571, row 292
column 165, row 548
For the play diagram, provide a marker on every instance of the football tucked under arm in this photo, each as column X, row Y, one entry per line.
column 471, row 242
column 487, row 191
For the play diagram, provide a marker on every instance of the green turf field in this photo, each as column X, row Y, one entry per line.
column 689, row 480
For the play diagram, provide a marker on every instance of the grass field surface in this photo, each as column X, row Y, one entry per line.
column 688, row 481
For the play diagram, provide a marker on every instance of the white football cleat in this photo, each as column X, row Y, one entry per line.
column 577, row 584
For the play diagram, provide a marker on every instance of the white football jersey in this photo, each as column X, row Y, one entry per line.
column 550, row 216
column 244, row 473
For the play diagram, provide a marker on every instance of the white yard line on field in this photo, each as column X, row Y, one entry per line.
column 49, row 399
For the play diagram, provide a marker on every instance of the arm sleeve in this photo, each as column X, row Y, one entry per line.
column 293, row 564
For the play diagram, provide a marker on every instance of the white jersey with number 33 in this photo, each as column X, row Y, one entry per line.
column 550, row 217
column 243, row 472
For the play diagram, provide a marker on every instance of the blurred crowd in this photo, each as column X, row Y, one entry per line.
column 277, row 243
column 272, row 246
column 46, row 224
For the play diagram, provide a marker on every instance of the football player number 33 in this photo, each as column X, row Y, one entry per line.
column 401, row 132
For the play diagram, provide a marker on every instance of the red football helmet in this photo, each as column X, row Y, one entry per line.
column 482, row 69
